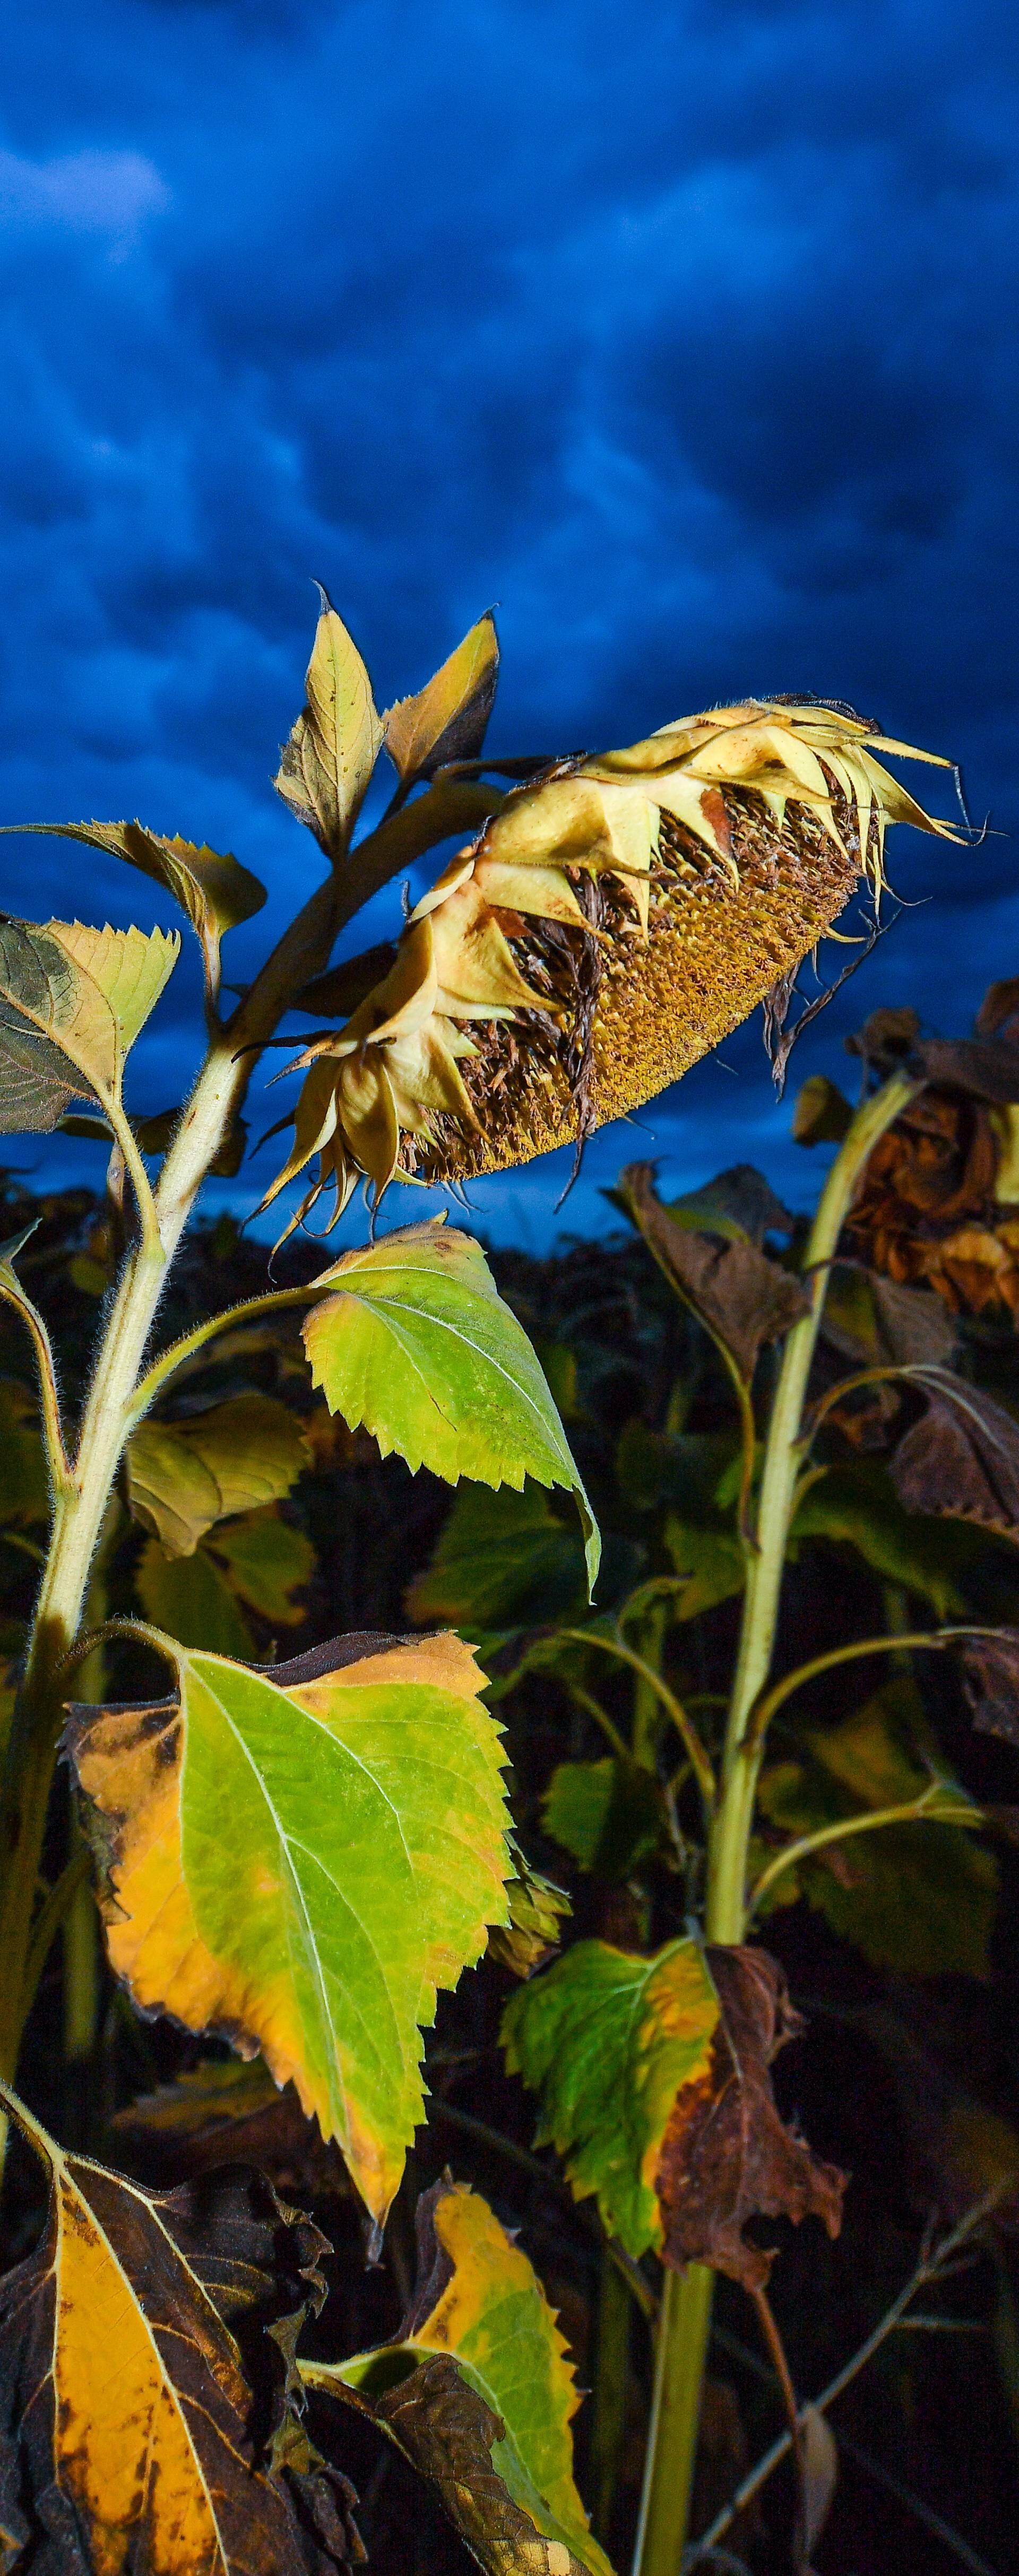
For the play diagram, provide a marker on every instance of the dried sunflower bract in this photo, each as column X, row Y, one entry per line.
column 614, row 920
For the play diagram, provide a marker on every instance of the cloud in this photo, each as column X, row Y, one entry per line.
column 105, row 193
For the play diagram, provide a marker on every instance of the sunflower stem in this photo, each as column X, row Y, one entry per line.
column 685, row 2319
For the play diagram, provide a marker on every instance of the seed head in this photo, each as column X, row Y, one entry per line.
column 614, row 920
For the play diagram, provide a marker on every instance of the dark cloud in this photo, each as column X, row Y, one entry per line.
column 687, row 335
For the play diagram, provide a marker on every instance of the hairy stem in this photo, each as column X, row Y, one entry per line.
column 80, row 1503
column 686, row 2309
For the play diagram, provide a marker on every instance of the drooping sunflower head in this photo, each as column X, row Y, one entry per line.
column 613, row 920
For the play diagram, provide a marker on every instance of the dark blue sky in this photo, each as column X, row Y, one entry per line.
column 686, row 333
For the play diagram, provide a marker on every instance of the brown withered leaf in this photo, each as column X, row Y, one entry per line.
column 879, row 1324
column 1000, row 1005
column 338, row 992
column 726, row 2155
column 988, row 1068
column 742, row 1298
column 962, row 1460
column 145, row 2381
column 990, row 1667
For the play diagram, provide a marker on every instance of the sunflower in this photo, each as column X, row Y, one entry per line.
column 615, row 919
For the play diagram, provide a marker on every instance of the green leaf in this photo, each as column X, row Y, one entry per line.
column 607, row 2039
column 72, row 1001
column 266, row 1562
column 24, row 1485
column 918, row 1898
column 184, row 1476
column 479, row 2392
column 712, row 1560
column 190, row 1598
column 415, row 1343
column 300, row 1857
column 447, row 719
column 328, row 760
column 857, row 1505
column 685, row 1468
column 503, row 1560
column 213, row 890
column 608, row 1814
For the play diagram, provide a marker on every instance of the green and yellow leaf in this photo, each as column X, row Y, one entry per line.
column 298, row 1858
column 414, row 1342
column 447, row 719
column 478, row 2391
column 72, row 1001
column 652, row 2074
column 214, row 890
column 126, row 2412
column 183, row 1477
column 328, row 759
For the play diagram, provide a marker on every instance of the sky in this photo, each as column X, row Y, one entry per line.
column 686, row 333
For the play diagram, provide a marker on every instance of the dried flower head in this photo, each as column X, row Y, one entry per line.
column 613, row 921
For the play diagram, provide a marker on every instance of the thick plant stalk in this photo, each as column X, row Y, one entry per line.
column 80, row 1502
column 686, row 2306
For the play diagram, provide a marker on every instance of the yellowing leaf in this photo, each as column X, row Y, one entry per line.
column 447, row 719
column 415, row 1343
column 328, row 760
column 214, row 890
column 653, row 2080
column 127, row 2416
column 478, row 2391
column 72, row 1001
column 182, row 1477
column 606, row 2039
column 299, row 1857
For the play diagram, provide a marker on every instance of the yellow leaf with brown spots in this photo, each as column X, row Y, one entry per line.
column 135, row 2359
column 299, row 1857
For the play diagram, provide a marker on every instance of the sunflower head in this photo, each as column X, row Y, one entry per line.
column 614, row 918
